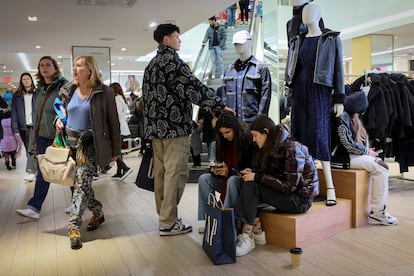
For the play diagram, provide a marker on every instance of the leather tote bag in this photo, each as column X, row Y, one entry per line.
column 56, row 164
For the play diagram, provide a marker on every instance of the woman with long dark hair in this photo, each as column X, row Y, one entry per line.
column 122, row 170
column 22, row 120
column 233, row 153
column 49, row 81
column 283, row 175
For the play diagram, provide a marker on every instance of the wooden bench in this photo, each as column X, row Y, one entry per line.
column 353, row 185
column 301, row 230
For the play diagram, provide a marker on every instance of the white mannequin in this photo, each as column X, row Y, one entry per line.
column 298, row 3
column 311, row 15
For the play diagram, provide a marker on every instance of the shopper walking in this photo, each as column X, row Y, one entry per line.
column 94, row 134
column 216, row 37
column 122, row 170
column 49, row 82
column 22, row 120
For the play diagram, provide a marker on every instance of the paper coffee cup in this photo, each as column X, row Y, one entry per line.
column 295, row 256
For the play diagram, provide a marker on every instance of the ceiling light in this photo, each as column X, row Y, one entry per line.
column 24, row 60
column 107, row 38
column 38, row 47
column 152, row 24
column 123, row 49
column 32, row 18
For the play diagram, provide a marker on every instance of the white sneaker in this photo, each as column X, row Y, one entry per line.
column 28, row 213
column 260, row 239
column 30, row 177
column 244, row 245
column 382, row 218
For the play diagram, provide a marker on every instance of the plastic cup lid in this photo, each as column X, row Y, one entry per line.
column 296, row 250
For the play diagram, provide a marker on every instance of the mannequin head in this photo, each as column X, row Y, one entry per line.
column 311, row 14
column 298, row 3
column 242, row 41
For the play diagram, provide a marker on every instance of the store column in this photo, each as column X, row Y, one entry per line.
column 372, row 51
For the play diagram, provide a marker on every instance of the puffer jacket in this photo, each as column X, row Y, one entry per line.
column 290, row 169
column 221, row 36
column 104, row 121
column 256, row 90
column 328, row 68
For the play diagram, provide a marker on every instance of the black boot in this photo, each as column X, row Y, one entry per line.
column 13, row 163
column 8, row 165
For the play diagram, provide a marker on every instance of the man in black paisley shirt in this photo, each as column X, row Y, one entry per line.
column 169, row 90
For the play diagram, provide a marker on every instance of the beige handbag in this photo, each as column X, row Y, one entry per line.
column 57, row 166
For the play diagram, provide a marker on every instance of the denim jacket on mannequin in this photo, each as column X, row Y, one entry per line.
column 256, row 90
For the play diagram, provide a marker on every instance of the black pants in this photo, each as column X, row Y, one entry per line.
column 244, row 12
column 252, row 193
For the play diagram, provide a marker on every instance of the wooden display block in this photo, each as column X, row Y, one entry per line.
column 301, row 230
column 353, row 185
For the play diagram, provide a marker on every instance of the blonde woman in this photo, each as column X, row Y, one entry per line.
column 93, row 129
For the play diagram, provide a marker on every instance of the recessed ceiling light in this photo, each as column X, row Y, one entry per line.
column 32, row 18
column 152, row 24
column 38, row 47
column 123, row 49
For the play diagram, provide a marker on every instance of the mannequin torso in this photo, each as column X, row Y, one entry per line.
column 245, row 75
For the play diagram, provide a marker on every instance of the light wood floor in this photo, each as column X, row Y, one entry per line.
column 128, row 242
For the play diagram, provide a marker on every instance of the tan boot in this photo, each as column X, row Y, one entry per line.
column 75, row 239
column 95, row 221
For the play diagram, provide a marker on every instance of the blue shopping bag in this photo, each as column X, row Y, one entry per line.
column 219, row 241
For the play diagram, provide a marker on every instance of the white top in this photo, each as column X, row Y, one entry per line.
column 28, row 108
column 122, row 109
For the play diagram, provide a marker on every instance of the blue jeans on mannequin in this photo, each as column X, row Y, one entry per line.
column 208, row 183
column 216, row 54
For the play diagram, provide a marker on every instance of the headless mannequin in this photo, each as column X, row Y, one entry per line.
column 243, row 50
column 311, row 16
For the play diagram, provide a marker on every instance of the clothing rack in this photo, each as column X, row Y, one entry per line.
column 367, row 81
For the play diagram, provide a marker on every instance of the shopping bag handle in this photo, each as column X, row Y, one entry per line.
column 213, row 202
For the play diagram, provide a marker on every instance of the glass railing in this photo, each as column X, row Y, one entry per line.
column 202, row 65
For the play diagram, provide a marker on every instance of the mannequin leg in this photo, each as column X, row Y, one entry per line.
column 330, row 189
